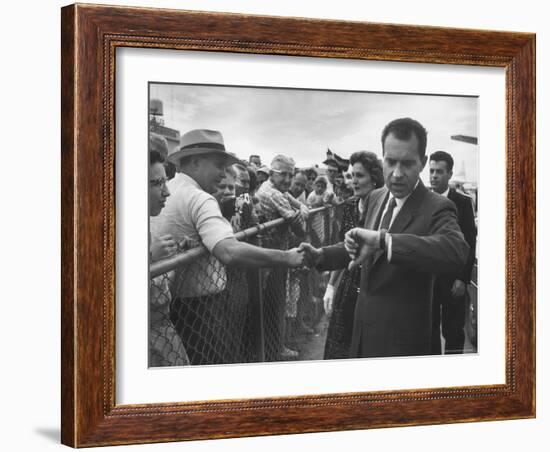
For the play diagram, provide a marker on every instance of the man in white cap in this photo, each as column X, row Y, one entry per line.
column 277, row 202
column 263, row 174
column 193, row 213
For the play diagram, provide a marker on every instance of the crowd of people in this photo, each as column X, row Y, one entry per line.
column 397, row 268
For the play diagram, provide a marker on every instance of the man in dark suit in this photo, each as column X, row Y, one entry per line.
column 450, row 291
column 410, row 234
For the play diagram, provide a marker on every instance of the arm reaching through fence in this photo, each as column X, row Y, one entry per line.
column 232, row 252
column 312, row 255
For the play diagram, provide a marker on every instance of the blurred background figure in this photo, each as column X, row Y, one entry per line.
column 450, row 297
column 298, row 186
column 255, row 161
column 320, row 195
column 262, row 174
column 225, row 193
column 157, row 143
column 311, row 174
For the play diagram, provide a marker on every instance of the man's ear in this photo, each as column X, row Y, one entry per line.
column 195, row 162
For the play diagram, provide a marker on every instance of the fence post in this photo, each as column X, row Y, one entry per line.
column 328, row 227
column 255, row 292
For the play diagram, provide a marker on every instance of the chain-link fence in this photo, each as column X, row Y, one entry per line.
column 202, row 312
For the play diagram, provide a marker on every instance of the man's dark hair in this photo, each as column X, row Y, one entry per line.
column 253, row 156
column 155, row 157
column 442, row 156
column 403, row 128
column 372, row 165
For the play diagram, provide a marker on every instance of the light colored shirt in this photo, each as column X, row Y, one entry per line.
column 399, row 202
column 191, row 213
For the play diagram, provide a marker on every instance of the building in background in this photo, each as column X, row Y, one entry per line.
column 156, row 124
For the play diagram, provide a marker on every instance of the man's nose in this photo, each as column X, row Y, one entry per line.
column 397, row 172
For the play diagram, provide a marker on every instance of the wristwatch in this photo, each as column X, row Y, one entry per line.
column 382, row 239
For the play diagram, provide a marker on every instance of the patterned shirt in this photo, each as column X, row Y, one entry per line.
column 275, row 204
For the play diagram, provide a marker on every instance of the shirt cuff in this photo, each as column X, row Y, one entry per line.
column 388, row 247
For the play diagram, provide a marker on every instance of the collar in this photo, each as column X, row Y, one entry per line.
column 400, row 201
column 446, row 192
column 188, row 180
column 272, row 186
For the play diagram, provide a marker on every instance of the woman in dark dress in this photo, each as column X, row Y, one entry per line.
column 341, row 294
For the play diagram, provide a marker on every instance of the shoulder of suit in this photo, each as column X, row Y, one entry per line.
column 376, row 193
column 438, row 200
column 462, row 196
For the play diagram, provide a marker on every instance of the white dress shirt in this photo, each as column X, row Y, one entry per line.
column 399, row 202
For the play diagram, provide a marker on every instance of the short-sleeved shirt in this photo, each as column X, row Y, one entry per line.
column 191, row 213
column 275, row 204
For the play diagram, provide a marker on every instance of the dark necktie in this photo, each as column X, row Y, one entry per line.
column 385, row 223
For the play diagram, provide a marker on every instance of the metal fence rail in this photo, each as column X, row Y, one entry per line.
column 202, row 312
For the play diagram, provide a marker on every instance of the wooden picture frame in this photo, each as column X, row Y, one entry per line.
column 90, row 37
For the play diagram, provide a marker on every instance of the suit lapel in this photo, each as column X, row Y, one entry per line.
column 409, row 209
column 373, row 220
column 377, row 201
column 405, row 215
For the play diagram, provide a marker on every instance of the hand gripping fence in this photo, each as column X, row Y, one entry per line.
column 202, row 312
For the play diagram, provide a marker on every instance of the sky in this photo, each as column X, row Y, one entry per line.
column 304, row 123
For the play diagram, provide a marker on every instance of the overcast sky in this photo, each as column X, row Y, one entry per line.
column 304, row 123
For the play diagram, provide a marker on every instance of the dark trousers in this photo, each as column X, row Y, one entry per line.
column 448, row 316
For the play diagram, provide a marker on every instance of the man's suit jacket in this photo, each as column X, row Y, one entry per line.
column 466, row 221
column 393, row 315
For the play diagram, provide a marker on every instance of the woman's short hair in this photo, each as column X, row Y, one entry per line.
column 372, row 165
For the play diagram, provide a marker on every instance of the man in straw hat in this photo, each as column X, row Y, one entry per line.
column 192, row 212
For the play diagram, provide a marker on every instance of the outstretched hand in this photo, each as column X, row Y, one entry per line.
column 312, row 255
column 360, row 244
column 295, row 258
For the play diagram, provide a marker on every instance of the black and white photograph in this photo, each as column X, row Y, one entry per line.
column 303, row 224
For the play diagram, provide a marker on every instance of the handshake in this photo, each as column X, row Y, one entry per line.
column 359, row 244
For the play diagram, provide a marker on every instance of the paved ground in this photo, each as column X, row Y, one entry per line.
column 312, row 346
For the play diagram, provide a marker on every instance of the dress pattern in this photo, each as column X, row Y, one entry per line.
column 340, row 325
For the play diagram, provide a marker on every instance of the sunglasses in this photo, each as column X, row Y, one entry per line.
column 160, row 182
column 283, row 173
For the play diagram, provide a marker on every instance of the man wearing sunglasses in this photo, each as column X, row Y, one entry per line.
column 277, row 202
